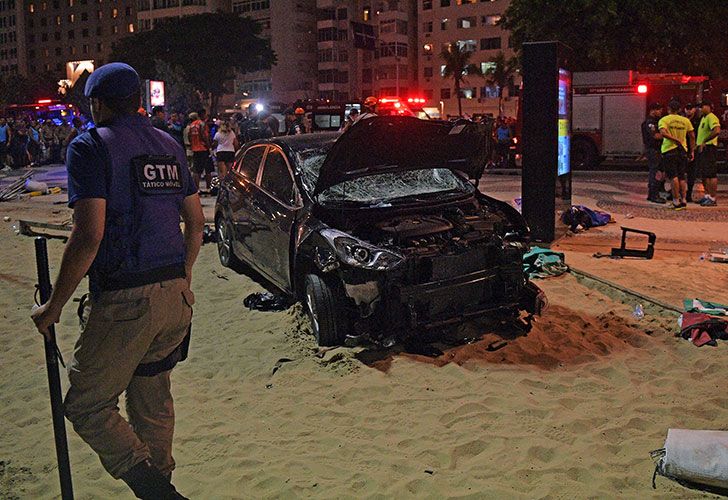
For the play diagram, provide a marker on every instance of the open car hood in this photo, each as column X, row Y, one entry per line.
column 385, row 144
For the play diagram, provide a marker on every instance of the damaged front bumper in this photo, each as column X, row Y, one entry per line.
column 387, row 302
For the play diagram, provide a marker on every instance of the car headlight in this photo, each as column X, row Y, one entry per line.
column 361, row 254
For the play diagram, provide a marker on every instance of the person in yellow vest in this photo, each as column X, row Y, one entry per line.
column 707, row 146
column 678, row 142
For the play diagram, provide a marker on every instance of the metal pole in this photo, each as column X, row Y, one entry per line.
column 54, row 379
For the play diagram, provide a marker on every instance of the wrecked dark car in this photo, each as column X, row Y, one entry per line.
column 379, row 231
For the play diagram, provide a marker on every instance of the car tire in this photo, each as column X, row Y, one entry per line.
column 225, row 251
column 328, row 317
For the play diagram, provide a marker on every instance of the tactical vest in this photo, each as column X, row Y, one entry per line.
column 146, row 185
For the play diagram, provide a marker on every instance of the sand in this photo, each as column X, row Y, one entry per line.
column 570, row 410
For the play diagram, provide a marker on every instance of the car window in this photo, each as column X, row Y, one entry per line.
column 250, row 163
column 276, row 177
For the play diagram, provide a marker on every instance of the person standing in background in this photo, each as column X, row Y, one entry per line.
column 652, row 140
column 707, row 146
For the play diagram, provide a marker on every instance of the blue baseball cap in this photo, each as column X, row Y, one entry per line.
column 112, row 81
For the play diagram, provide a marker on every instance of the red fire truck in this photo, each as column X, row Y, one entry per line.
column 610, row 106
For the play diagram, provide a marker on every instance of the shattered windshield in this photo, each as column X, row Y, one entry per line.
column 382, row 187
column 388, row 187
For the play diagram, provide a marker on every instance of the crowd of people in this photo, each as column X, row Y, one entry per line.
column 27, row 142
column 681, row 148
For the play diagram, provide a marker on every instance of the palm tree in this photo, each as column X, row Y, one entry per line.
column 457, row 67
column 499, row 73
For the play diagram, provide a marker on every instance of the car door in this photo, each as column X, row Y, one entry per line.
column 275, row 204
column 241, row 185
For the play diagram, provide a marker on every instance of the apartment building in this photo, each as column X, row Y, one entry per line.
column 12, row 37
column 290, row 25
column 65, row 34
column 349, row 72
column 473, row 25
column 152, row 11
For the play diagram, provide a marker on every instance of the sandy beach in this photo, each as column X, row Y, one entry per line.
column 570, row 410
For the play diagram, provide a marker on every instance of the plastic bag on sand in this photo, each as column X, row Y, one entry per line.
column 696, row 458
column 31, row 185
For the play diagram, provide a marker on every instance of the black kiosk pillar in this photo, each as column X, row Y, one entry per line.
column 546, row 134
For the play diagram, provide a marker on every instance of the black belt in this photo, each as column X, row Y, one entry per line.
column 134, row 280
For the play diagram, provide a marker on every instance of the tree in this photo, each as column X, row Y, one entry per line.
column 457, row 67
column 627, row 34
column 180, row 95
column 500, row 73
column 18, row 89
column 207, row 48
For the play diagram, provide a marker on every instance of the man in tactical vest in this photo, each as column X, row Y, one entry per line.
column 128, row 184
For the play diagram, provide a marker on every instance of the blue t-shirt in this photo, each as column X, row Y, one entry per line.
column 503, row 134
column 4, row 133
column 142, row 231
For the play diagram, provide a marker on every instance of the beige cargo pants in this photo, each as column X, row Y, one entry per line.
column 123, row 329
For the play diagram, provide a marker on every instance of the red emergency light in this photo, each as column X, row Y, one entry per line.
column 385, row 100
column 45, row 101
column 642, row 89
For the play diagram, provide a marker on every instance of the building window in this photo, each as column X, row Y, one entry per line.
column 342, row 14
column 84, row 33
column 44, row 37
column 468, row 45
column 71, row 18
column 464, row 2
column 58, row 51
column 428, row 94
column 114, row 13
column 366, row 75
column 427, row 27
column 71, row 35
column 84, row 16
column 467, row 22
column 85, row 48
column 127, row 12
column 443, row 24
column 100, row 14
column 490, row 43
column 490, row 20
column 70, row 3
column 58, row 21
column 444, row 3
column 426, row 4
column 485, row 67
column 99, row 30
column 57, row 35
column 130, row 28
column 99, row 47
column 427, row 49
column 428, row 71
column 394, row 49
column 115, row 29
column 445, row 93
column 250, row 6
column 31, row 8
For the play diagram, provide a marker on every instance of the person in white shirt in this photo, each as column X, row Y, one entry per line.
column 226, row 144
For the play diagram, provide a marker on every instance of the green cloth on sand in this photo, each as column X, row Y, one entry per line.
column 705, row 307
column 544, row 263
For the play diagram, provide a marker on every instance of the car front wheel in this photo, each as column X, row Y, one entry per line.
column 328, row 316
